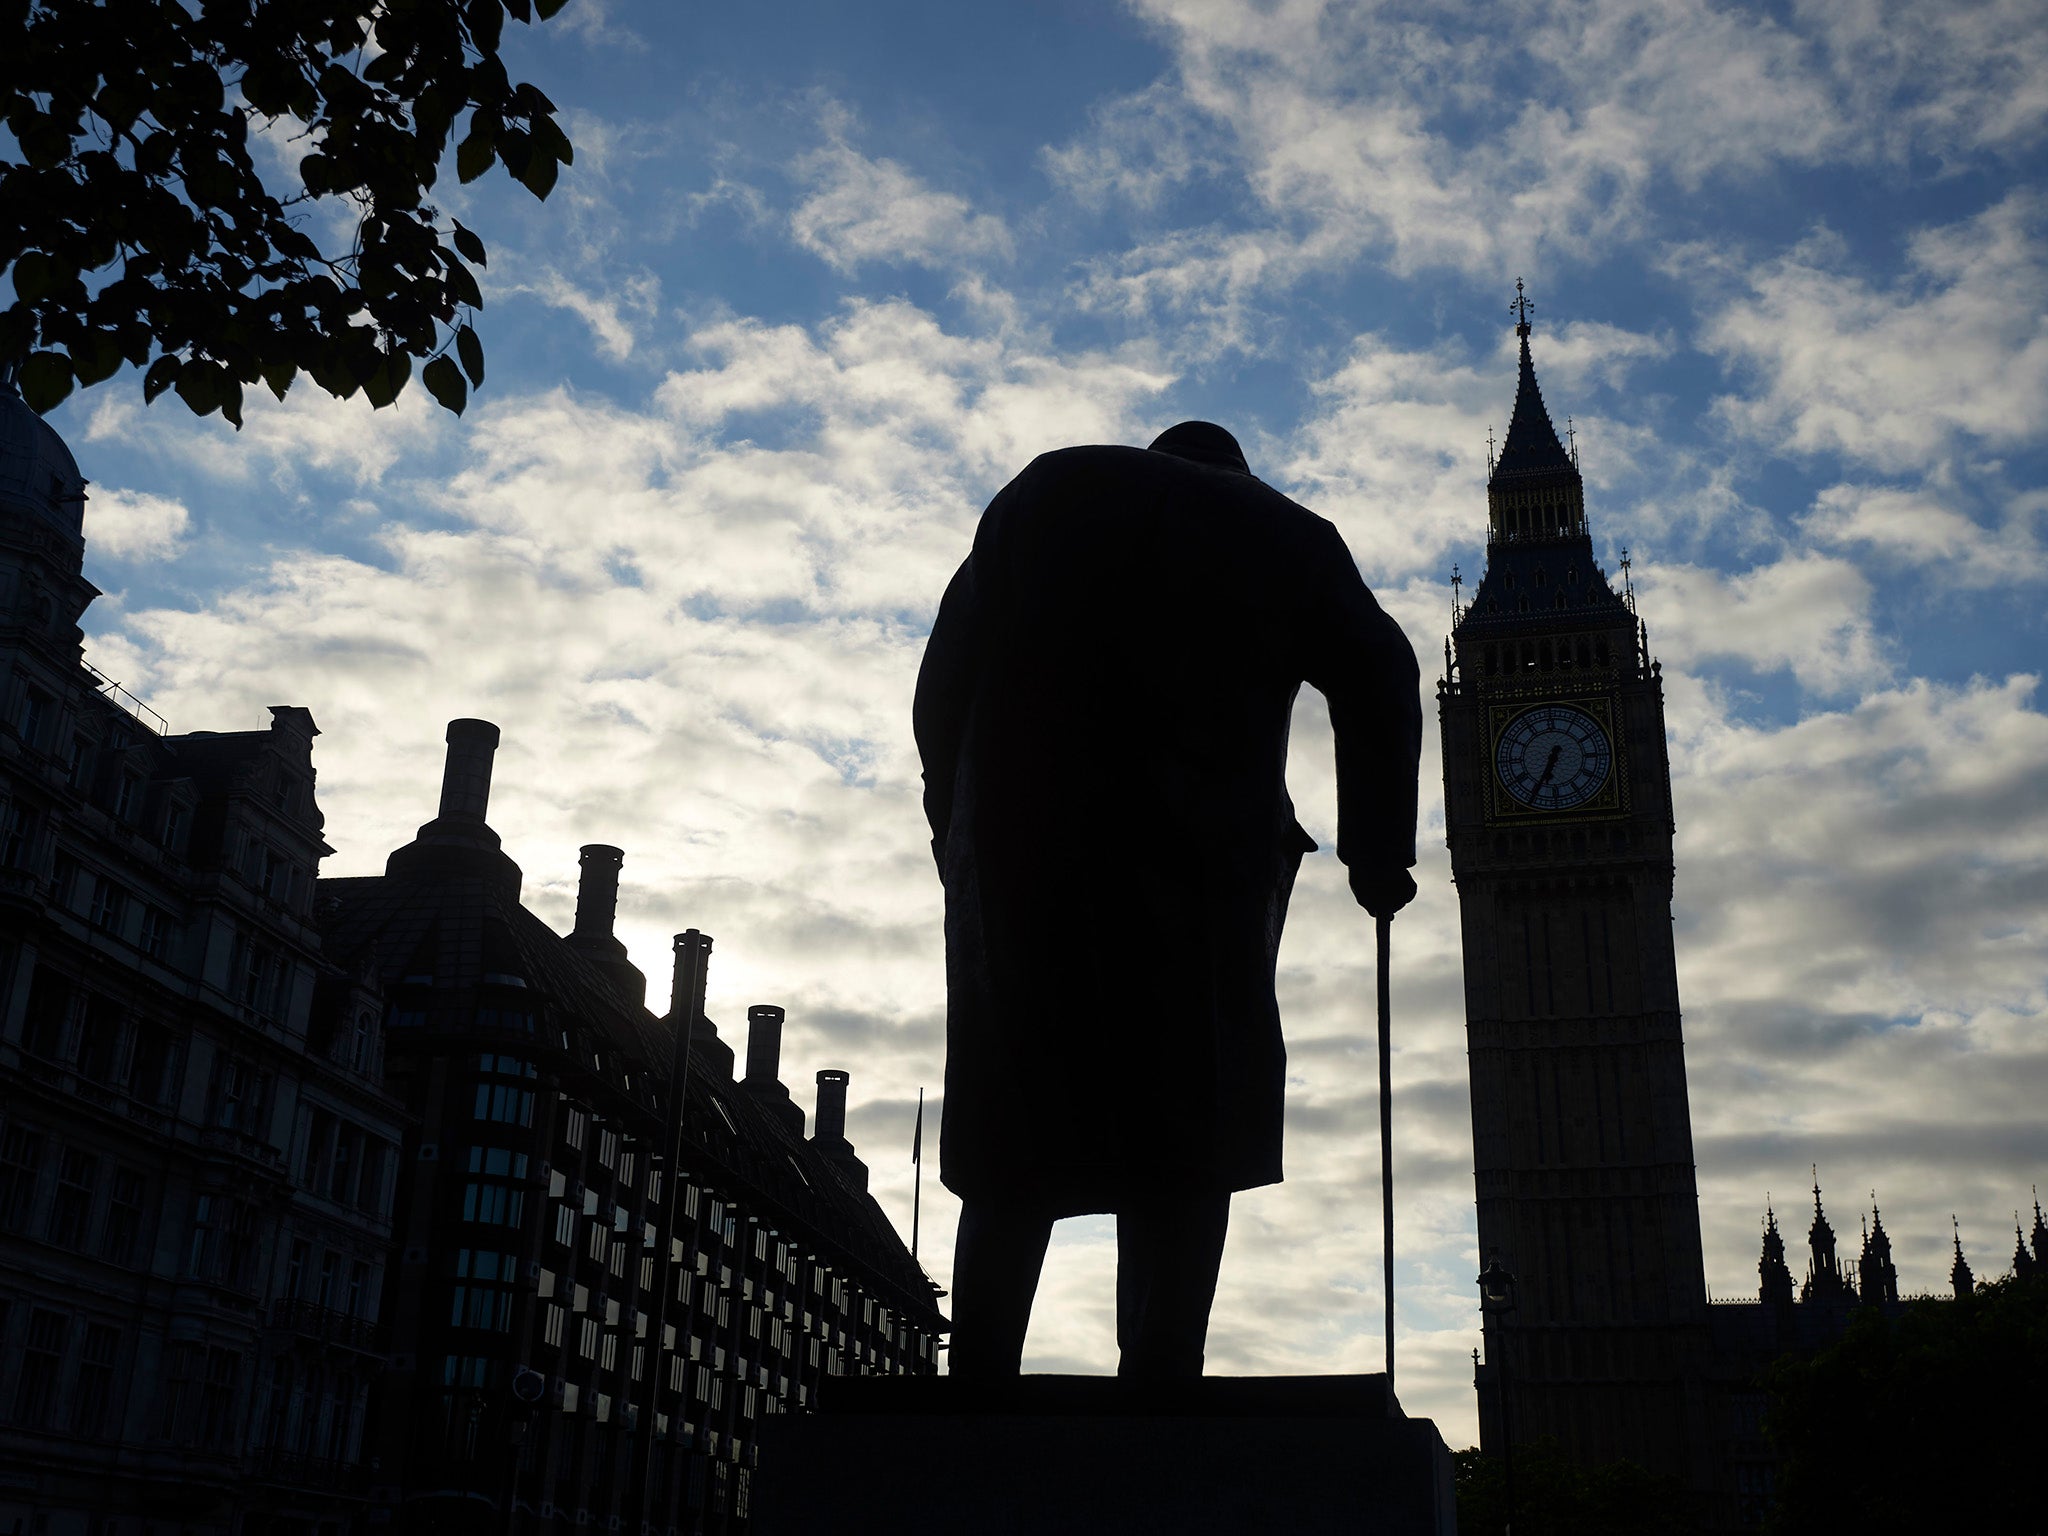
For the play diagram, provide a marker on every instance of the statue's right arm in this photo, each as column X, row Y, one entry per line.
column 945, row 690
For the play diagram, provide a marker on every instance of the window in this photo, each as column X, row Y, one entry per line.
column 608, row 1354
column 363, row 1053
column 152, row 1065
column 17, row 837
column 217, row 1399
column 565, row 1226
column 99, row 1040
column 486, row 1305
column 237, row 1100
column 347, row 1166
column 330, row 1273
column 276, row 875
column 21, row 1167
column 76, row 762
column 361, row 1300
column 126, row 1194
column 71, row 1208
column 504, row 1103
column 465, row 1371
column 49, row 1014
column 29, row 718
column 626, row 1169
column 174, row 825
column 109, row 901
column 586, row 1344
column 607, row 1148
column 42, row 1351
column 126, row 794
column 155, row 937
column 599, row 1236
column 551, row 1328
column 94, row 1395
column 488, row 1200
column 295, row 1269
column 573, row 1122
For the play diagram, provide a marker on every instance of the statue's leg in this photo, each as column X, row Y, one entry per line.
column 1168, row 1250
column 997, row 1257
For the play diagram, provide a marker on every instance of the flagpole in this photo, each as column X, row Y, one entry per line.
column 917, row 1178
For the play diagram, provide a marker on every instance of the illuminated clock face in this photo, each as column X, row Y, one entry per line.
column 1553, row 757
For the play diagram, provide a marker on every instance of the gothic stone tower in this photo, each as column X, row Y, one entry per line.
column 1557, row 808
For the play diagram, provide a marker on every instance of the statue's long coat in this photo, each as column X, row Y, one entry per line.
column 1102, row 715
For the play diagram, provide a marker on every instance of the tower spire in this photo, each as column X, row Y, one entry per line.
column 1959, row 1274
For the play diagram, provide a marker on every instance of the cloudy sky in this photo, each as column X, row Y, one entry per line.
column 823, row 277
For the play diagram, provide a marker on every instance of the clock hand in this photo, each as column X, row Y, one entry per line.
column 1549, row 767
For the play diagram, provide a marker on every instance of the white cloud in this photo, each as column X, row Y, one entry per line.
column 858, row 210
column 308, row 429
column 1808, row 614
column 1897, row 377
column 1913, row 529
column 134, row 525
column 606, row 313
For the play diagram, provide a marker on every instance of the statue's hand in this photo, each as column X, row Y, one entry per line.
column 1382, row 892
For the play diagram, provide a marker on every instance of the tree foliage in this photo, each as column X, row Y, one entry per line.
column 1555, row 1496
column 1927, row 1419
column 226, row 191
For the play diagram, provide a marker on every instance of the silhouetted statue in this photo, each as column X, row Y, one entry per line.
column 1102, row 714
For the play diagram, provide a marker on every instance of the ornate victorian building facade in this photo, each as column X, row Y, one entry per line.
column 197, row 1150
column 330, row 1205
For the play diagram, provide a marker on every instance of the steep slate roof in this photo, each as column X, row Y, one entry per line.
column 1532, row 445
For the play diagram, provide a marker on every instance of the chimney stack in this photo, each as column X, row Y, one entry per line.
column 830, row 1136
column 597, row 890
column 764, row 1045
column 704, row 1034
column 466, row 780
column 459, row 843
column 597, row 904
column 831, row 1121
column 764, row 1066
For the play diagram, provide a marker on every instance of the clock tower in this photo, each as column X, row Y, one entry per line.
column 1557, row 809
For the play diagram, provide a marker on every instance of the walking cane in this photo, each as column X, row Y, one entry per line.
column 1386, row 924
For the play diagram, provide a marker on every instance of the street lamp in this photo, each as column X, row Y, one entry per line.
column 1496, row 1300
column 528, row 1387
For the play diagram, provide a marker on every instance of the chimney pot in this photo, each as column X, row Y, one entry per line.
column 466, row 780
column 764, row 1044
column 597, row 890
column 831, row 1121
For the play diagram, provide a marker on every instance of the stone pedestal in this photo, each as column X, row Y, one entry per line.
column 1075, row 1455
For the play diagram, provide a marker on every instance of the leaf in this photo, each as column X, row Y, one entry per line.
column 34, row 276
column 471, row 351
column 161, row 375
column 538, row 174
column 231, row 398
column 546, row 8
column 384, row 382
column 520, row 8
column 473, row 156
column 470, row 246
column 278, row 376
column 45, row 380
column 444, row 383
column 199, row 386
column 462, row 283
column 96, row 356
